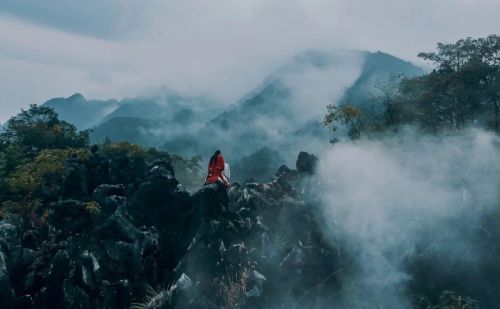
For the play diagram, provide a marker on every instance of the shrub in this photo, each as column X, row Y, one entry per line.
column 94, row 209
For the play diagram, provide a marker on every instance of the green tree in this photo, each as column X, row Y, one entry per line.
column 39, row 128
column 389, row 97
column 465, row 82
column 347, row 115
column 38, row 179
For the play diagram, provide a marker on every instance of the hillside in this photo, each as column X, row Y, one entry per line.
column 91, row 114
column 138, row 239
column 285, row 111
column 83, row 113
column 400, row 213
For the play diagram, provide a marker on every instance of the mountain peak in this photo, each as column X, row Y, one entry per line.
column 76, row 96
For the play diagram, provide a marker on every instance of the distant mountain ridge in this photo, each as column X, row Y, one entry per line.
column 87, row 114
column 382, row 66
column 82, row 112
column 284, row 113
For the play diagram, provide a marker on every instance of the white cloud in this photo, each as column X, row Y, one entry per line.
column 221, row 48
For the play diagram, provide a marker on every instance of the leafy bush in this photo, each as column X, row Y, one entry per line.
column 24, row 185
column 347, row 115
column 94, row 209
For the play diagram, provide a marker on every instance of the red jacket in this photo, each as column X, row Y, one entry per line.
column 215, row 170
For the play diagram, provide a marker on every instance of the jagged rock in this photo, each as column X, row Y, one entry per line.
column 282, row 170
column 161, row 170
column 105, row 190
column 6, row 292
column 234, row 195
column 261, row 227
column 24, row 302
column 75, row 297
column 41, row 299
column 183, row 293
column 295, row 258
column 151, row 257
column 110, row 197
column 306, row 162
column 162, row 300
column 158, row 203
column 87, row 273
column 124, row 251
column 255, row 284
column 212, row 200
column 24, row 282
column 10, row 243
column 58, row 272
column 29, row 282
column 28, row 256
column 117, row 227
column 160, row 234
column 123, row 258
column 202, row 253
column 117, row 295
column 235, row 254
column 179, row 295
column 30, row 240
column 69, row 217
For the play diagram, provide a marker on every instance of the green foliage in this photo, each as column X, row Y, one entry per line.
column 462, row 90
column 456, row 56
column 24, row 137
column 44, row 160
column 94, row 209
column 124, row 150
column 11, row 157
column 127, row 162
column 48, row 164
column 346, row 114
column 46, row 170
column 39, row 128
column 387, row 96
column 190, row 166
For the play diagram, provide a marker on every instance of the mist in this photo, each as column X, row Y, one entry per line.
column 400, row 197
column 283, row 114
column 222, row 49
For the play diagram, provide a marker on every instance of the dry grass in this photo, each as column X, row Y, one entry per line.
column 231, row 290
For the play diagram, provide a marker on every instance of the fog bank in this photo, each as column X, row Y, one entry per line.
column 386, row 198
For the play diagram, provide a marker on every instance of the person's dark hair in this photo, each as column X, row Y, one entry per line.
column 214, row 157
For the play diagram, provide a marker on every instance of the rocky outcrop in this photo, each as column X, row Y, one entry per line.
column 243, row 248
column 262, row 245
column 306, row 163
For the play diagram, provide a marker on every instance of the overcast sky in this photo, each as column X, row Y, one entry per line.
column 219, row 48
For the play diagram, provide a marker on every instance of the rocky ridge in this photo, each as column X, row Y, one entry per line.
column 156, row 246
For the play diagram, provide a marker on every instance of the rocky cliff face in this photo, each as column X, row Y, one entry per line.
column 156, row 246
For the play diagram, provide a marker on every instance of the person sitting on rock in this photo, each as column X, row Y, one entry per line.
column 216, row 170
